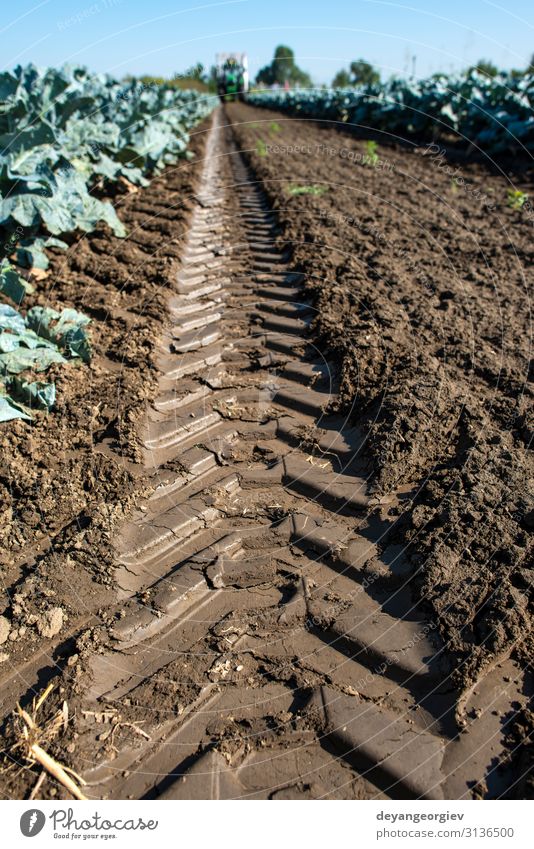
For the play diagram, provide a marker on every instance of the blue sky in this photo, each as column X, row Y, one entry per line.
column 164, row 36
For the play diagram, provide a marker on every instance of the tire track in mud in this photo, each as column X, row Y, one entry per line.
column 265, row 642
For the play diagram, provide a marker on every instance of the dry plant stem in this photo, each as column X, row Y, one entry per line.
column 35, row 752
column 38, row 785
column 75, row 775
column 42, row 698
column 56, row 770
column 136, row 729
column 126, row 725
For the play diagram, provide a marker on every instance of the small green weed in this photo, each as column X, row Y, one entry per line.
column 371, row 156
column 516, row 198
column 306, row 190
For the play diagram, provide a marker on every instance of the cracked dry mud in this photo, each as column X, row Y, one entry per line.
column 264, row 641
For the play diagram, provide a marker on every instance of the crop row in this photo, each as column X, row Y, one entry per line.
column 65, row 132
column 494, row 114
column 66, row 137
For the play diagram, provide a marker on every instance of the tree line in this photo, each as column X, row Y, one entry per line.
column 283, row 71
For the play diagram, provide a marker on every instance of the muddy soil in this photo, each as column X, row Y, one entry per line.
column 418, row 292
column 68, row 479
column 420, row 274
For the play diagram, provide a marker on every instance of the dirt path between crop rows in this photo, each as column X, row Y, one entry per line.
column 264, row 639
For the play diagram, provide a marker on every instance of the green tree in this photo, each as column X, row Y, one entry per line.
column 198, row 71
column 195, row 72
column 363, row 73
column 484, row 66
column 360, row 73
column 341, row 79
column 283, row 69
